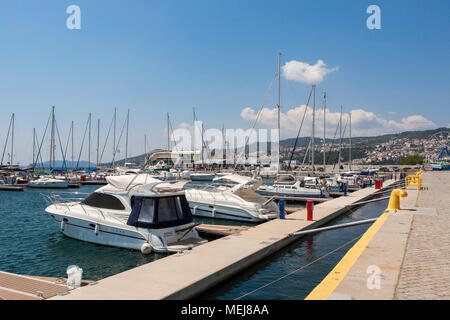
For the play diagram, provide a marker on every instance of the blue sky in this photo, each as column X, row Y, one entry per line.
column 219, row 57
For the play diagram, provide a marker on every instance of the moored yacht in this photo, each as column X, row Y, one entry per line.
column 47, row 182
column 234, row 199
column 134, row 212
column 288, row 185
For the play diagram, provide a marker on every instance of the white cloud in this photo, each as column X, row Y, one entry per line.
column 364, row 123
column 306, row 73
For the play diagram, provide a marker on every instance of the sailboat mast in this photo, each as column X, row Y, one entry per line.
column 279, row 112
column 34, row 146
column 12, row 143
column 52, row 141
column 324, row 129
column 126, row 147
column 98, row 141
column 72, row 148
column 89, row 149
column 168, row 132
column 350, row 140
column 313, row 127
column 340, row 140
column 203, row 158
column 194, row 145
column 223, row 146
column 114, row 138
column 145, row 144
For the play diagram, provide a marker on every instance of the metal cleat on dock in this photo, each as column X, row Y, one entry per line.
column 394, row 201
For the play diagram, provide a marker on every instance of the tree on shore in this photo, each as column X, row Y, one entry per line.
column 411, row 160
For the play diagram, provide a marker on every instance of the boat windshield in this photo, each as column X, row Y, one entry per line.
column 159, row 212
column 104, row 201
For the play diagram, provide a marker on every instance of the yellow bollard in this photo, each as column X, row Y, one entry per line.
column 413, row 181
column 394, row 201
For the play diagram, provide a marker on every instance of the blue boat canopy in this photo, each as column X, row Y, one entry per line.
column 159, row 212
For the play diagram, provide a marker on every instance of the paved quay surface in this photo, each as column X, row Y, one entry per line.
column 184, row 276
column 425, row 272
column 404, row 255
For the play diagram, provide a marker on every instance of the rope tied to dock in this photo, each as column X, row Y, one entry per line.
column 301, row 268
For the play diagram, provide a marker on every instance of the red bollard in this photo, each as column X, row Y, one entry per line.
column 309, row 210
column 378, row 184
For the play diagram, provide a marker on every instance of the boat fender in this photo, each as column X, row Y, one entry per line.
column 96, row 229
column 213, row 211
column 63, row 224
column 146, row 248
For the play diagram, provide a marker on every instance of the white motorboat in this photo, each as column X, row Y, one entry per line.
column 237, row 201
column 288, row 185
column 134, row 212
column 48, row 183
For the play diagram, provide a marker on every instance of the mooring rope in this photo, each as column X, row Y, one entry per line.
column 309, row 264
column 303, row 267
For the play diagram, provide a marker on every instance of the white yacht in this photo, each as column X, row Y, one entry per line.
column 48, row 183
column 132, row 211
column 288, row 185
column 235, row 200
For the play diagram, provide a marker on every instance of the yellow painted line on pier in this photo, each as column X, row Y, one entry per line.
column 332, row 280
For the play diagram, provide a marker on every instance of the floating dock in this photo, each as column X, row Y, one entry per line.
column 298, row 199
column 9, row 187
column 219, row 230
column 403, row 256
column 188, row 274
column 21, row 287
column 94, row 183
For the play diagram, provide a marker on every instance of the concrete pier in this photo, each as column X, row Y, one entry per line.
column 404, row 255
column 186, row 275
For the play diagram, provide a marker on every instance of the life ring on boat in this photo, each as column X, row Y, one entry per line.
column 146, row 248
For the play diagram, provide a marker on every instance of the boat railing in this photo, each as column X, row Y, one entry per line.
column 55, row 199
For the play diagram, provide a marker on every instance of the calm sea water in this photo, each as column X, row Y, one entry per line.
column 30, row 243
column 297, row 256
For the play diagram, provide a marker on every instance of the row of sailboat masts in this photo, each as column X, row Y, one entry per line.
column 312, row 141
column 341, row 138
column 54, row 133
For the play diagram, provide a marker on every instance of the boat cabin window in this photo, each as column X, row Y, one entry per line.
column 169, row 209
column 104, row 201
column 147, row 213
column 159, row 212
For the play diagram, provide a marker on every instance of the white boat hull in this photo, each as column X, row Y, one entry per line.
column 108, row 236
column 226, row 212
column 49, row 184
column 312, row 193
column 125, row 237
